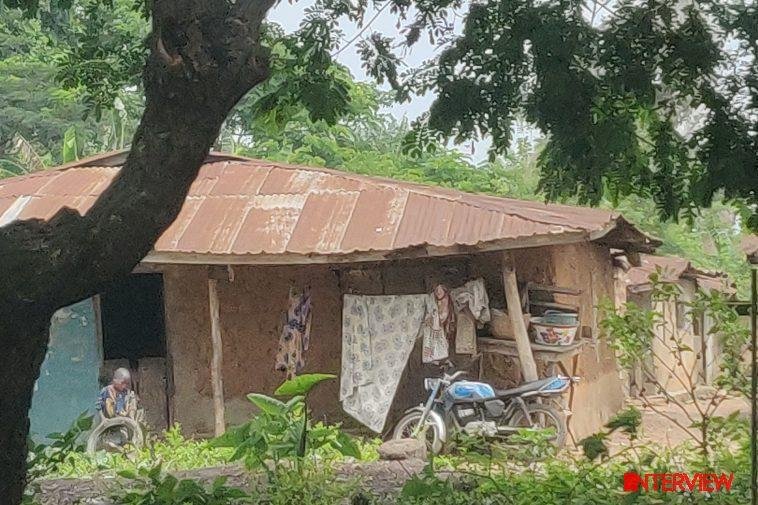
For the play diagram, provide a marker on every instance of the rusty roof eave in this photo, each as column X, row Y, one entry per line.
column 414, row 252
column 622, row 234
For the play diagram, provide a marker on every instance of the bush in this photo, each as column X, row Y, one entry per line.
column 173, row 452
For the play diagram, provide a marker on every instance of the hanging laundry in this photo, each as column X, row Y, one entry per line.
column 441, row 323
column 473, row 295
column 465, row 333
column 295, row 337
column 378, row 334
column 472, row 306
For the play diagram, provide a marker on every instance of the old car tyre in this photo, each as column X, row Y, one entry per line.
column 136, row 438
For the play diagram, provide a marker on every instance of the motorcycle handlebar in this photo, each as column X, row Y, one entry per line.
column 451, row 378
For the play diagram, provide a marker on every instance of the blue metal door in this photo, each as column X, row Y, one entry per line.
column 68, row 381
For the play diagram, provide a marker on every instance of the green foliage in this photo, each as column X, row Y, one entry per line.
column 569, row 481
column 38, row 108
column 282, row 430
column 154, row 487
column 302, row 384
column 172, row 451
column 733, row 336
column 630, row 330
column 47, row 458
column 656, row 99
column 69, row 146
column 614, row 96
column 627, row 421
column 594, row 446
column 313, row 483
column 712, row 240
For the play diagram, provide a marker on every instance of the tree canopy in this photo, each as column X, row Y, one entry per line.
column 271, row 124
column 644, row 97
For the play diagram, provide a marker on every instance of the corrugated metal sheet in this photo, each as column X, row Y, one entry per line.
column 673, row 269
column 238, row 206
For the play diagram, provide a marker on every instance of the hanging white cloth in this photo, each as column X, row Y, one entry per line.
column 472, row 306
column 473, row 295
column 378, row 334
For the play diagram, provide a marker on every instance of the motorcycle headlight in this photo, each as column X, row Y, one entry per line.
column 430, row 384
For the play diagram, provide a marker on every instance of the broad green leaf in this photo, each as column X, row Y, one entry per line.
column 154, row 472
column 69, row 146
column 267, row 404
column 233, row 436
column 346, row 445
column 292, row 402
column 84, row 422
column 127, row 474
column 302, row 384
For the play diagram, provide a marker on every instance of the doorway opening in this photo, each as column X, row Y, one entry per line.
column 134, row 337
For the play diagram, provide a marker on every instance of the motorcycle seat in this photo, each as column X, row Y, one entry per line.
column 524, row 388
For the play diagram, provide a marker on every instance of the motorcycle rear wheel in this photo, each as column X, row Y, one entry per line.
column 431, row 433
column 543, row 417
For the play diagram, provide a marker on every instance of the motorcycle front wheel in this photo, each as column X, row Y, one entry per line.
column 431, row 433
column 543, row 417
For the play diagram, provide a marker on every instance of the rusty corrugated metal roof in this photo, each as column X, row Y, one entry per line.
column 243, row 207
column 674, row 268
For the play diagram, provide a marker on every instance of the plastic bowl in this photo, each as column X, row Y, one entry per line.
column 552, row 334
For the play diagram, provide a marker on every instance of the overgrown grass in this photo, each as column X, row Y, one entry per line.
column 174, row 452
column 496, row 475
column 527, row 470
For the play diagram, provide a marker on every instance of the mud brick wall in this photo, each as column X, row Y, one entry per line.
column 252, row 310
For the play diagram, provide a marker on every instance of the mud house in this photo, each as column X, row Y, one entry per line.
column 200, row 318
column 678, row 326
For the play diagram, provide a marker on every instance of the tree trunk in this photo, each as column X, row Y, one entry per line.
column 24, row 348
column 205, row 55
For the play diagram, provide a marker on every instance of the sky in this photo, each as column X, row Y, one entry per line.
column 289, row 15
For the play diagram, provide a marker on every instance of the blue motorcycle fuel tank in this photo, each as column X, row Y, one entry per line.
column 470, row 390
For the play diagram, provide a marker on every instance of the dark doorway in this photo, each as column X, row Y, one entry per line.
column 134, row 336
column 132, row 319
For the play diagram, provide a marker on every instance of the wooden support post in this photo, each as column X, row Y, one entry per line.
column 512, row 298
column 217, row 381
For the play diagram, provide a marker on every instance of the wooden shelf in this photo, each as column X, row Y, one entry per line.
column 552, row 289
column 555, row 305
column 547, row 353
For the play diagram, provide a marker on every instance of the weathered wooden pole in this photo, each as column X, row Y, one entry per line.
column 217, row 381
column 754, row 381
column 513, row 301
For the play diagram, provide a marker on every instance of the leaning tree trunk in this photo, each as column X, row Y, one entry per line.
column 205, row 55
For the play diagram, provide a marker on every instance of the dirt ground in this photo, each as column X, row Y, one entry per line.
column 383, row 478
column 657, row 429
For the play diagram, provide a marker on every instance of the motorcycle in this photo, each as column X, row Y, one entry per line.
column 477, row 409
